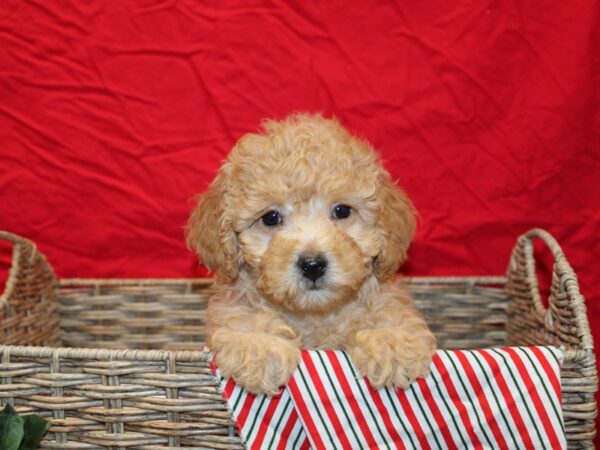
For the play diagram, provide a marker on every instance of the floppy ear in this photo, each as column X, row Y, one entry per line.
column 209, row 231
column 397, row 222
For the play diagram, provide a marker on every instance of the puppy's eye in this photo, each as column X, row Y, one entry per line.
column 341, row 211
column 271, row 218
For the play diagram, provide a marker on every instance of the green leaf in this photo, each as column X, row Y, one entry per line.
column 11, row 429
column 34, row 428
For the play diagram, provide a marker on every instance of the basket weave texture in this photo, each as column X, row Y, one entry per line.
column 118, row 364
column 29, row 295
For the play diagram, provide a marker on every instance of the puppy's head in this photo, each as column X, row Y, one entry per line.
column 304, row 214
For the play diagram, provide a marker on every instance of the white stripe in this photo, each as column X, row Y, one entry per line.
column 298, row 430
column 222, row 380
column 547, row 400
column 497, row 408
column 314, row 409
column 468, row 399
column 521, row 396
column 237, row 392
column 396, row 421
column 255, row 415
column 282, row 414
column 555, row 369
column 339, row 406
column 357, row 385
column 558, row 354
column 450, row 411
column 414, row 395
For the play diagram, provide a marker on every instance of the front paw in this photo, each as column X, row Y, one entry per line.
column 392, row 357
column 258, row 362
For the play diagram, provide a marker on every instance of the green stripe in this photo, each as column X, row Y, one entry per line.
column 264, row 397
column 443, row 397
column 433, row 433
column 233, row 411
column 300, row 434
column 553, row 351
column 301, row 372
column 357, row 378
column 500, row 408
column 387, row 391
column 239, row 397
column 469, row 396
column 281, row 416
column 339, row 399
column 556, row 413
column 523, row 399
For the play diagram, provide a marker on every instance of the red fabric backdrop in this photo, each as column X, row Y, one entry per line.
column 113, row 114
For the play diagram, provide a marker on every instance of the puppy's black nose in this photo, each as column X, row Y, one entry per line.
column 312, row 268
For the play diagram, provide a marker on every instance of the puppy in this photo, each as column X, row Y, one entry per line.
column 305, row 231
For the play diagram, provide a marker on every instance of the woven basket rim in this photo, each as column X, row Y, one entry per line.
column 12, row 268
column 104, row 354
column 470, row 279
column 18, row 244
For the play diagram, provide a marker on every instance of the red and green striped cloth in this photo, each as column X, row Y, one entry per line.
column 504, row 398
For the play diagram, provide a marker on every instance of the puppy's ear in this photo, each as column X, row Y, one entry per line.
column 397, row 222
column 209, row 231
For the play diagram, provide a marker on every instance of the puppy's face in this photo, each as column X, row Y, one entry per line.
column 304, row 213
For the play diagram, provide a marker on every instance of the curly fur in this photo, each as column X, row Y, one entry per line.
column 264, row 311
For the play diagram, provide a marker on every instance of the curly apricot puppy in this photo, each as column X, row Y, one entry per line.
column 305, row 231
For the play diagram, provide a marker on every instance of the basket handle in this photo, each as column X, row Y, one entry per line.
column 564, row 277
column 19, row 245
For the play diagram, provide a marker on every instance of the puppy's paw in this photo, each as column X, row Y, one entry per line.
column 392, row 357
column 258, row 362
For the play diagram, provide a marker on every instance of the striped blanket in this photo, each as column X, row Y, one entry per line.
column 507, row 398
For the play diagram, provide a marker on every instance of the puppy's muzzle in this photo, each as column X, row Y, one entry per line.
column 312, row 268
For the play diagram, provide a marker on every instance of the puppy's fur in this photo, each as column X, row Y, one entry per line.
column 265, row 310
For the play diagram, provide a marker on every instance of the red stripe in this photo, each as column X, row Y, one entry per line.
column 552, row 376
column 358, row 415
column 385, row 415
column 311, row 428
column 227, row 393
column 458, row 404
column 305, row 445
column 412, row 418
column 265, row 422
column 243, row 415
column 481, row 398
column 537, row 401
column 228, row 389
column 508, row 398
column 287, row 430
column 340, row 432
column 437, row 414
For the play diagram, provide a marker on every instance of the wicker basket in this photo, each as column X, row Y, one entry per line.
column 131, row 373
